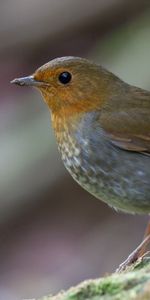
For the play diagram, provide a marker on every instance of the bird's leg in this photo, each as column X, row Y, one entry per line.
column 139, row 252
column 147, row 233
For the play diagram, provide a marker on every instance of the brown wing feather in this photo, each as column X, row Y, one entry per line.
column 128, row 126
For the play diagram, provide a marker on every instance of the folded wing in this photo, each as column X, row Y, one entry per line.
column 128, row 124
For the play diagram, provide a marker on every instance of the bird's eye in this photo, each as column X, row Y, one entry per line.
column 64, row 77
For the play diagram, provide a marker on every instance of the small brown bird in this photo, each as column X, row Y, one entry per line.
column 102, row 126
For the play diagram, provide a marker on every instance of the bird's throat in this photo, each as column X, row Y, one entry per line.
column 64, row 126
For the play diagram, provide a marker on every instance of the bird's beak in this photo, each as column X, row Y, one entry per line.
column 28, row 81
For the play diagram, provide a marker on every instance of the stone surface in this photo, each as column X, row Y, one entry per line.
column 134, row 283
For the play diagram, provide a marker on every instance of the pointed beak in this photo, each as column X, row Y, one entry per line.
column 28, row 81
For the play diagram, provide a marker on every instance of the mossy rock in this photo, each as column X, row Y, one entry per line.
column 134, row 283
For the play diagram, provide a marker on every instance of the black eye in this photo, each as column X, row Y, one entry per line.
column 64, row 77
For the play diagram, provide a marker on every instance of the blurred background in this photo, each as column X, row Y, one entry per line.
column 53, row 234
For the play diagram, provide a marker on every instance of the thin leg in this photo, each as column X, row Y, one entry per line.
column 147, row 232
column 140, row 251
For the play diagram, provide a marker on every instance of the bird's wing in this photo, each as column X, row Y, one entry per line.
column 128, row 126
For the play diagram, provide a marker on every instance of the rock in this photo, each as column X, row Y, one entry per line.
column 133, row 283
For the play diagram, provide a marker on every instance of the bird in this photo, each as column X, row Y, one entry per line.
column 102, row 128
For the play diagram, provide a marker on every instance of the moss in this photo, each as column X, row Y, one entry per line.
column 132, row 284
column 93, row 289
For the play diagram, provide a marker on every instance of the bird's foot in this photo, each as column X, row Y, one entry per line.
column 135, row 255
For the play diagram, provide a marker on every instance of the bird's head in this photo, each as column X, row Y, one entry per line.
column 71, row 83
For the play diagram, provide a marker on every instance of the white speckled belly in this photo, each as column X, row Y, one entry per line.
column 118, row 177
